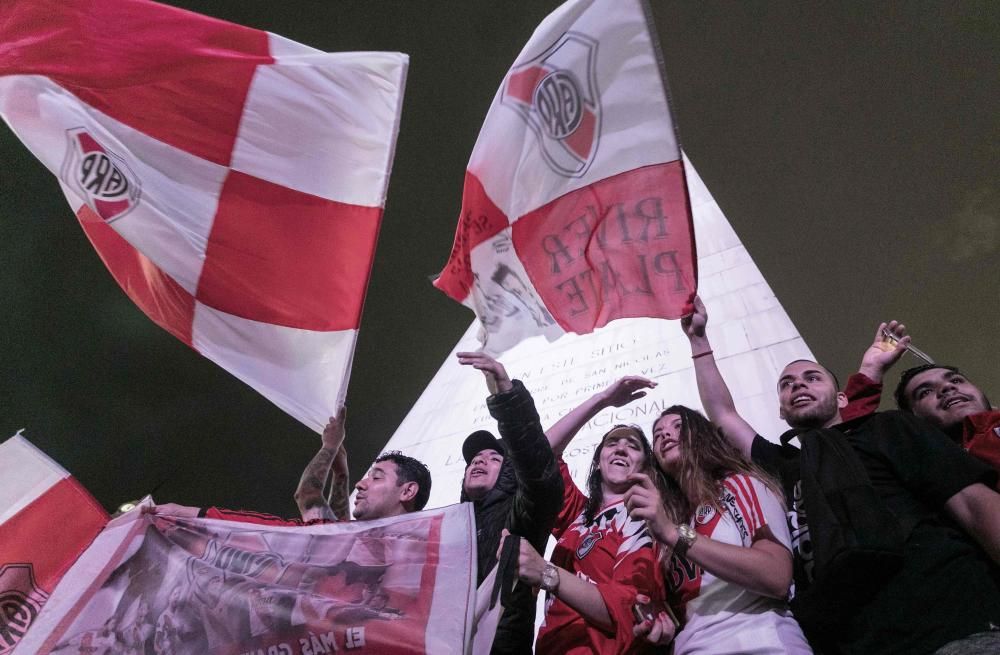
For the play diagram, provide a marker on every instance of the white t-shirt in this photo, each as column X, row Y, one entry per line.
column 722, row 617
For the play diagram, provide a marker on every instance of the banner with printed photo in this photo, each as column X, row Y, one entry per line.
column 182, row 586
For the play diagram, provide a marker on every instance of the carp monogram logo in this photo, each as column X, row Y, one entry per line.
column 100, row 176
column 704, row 514
column 556, row 94
column 20, row 602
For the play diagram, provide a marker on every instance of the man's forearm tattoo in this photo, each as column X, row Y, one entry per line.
column 310, row 491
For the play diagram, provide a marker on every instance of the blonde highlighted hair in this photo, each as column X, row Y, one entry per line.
column 706, row 460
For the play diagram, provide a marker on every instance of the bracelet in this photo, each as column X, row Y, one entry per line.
column 686, row 536
column 550, row 578
column 707, row 352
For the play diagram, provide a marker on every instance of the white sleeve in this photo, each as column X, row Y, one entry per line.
column 774, row 512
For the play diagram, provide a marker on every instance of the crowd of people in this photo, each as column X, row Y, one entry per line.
column 878, row 533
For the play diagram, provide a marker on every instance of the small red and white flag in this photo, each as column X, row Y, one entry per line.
column 47, row 519
column 575, row 209
column 232, row 180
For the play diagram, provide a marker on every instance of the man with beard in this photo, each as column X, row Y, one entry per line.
column 395, row 484
column 514, row 484
column 948, row 516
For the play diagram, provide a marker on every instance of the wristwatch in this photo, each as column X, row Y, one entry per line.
column 550, row 578
column 686, row 537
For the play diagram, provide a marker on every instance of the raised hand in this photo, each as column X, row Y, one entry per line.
column 625, row 390
column 340, row 489
column 884, row 352
column 497, row 379
column 333, row 433
column 694, row 324
column 644, row 503
column 309, row 494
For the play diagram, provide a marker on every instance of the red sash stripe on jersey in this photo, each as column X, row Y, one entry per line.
column 746, row 498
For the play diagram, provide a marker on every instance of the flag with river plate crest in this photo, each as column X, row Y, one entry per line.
column 231, row 180
column 575, row 209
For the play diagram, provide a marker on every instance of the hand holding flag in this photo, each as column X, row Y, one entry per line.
column 231, row 180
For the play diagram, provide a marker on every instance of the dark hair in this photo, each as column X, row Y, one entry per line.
column 707, row 459
column 409, row 469
column 595, row 489
column 833, row 375
column 902, row 401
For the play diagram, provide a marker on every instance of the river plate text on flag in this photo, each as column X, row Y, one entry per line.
column 751, row 334
column 46, row 520
column 231, row 180
column 575, row 210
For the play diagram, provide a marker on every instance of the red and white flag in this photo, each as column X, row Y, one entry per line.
column 232, row 180
column 575, row 209
column 47, row 519
column 190, row 586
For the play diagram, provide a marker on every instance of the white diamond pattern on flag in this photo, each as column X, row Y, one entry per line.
column 231, row 180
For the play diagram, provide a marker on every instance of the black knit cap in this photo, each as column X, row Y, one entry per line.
column 479, row 441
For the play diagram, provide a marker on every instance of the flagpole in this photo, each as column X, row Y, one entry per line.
column 654, row 39
column 341, row 399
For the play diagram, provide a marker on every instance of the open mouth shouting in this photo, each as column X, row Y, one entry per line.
column 621, row 462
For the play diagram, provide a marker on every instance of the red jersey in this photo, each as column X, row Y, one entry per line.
column 981, row 437
column 615, row 553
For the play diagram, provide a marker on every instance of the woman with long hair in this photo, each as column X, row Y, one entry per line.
column 728, row 562
column 604, row 562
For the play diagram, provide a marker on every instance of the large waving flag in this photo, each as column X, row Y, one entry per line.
column 231, row 180
column 47, row 519
column 575, row 210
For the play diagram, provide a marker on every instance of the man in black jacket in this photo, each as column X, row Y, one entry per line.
column 948, row 515
column 514, row 483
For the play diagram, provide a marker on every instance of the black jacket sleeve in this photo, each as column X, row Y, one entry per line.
column 539, row 484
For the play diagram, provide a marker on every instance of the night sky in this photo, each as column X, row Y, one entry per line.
column 855, row 148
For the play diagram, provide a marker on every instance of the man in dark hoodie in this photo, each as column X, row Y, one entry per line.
column 514, row 483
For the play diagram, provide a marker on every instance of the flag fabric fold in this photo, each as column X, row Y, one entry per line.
column 47, row 519
column 232, row 180
column 575, row 209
